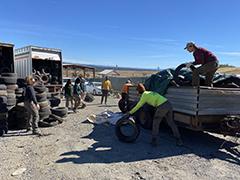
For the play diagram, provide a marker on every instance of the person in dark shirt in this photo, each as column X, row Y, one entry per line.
column 207, row 60
column 68, row 89
column 31, row 105
column 77, row 94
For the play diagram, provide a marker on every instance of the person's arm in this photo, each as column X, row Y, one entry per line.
column 33, row 95
column 140, row 103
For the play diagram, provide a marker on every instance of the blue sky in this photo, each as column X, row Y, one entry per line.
column 128, row 33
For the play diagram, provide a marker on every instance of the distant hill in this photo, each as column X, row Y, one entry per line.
column 102, row 67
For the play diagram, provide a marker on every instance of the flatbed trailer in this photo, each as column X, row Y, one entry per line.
column 199, row 109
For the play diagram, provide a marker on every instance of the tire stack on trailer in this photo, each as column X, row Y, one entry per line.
column 3, row 110
column 10, row 80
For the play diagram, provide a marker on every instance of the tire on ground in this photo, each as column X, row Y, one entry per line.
column 60, row 111
column 123, row 137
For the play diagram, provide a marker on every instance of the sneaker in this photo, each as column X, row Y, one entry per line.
column 28, row 129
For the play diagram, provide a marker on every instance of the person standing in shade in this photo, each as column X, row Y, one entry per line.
column 106, row 87
column 68, row 92
column 31, row 105
column 164, row 109
column 208, row 61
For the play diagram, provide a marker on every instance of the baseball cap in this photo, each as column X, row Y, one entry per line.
column 189, row 44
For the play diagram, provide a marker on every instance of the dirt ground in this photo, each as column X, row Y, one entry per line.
column 77, row 149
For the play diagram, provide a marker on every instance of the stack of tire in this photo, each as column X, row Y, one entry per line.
column 19, row 95
column 54, row 99
column 41, row 95
column 3, row 110
column 10, row 80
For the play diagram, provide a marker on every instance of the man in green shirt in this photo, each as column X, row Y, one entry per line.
column 164, row 109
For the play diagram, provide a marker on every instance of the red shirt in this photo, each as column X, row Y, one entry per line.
column 203, row 56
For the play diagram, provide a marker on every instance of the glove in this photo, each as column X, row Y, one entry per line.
column 188, row 65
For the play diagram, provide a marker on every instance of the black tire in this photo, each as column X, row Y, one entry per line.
column 45, row 109
column 11, row 95
column 3, row 100
column 56, row 118
column 40, row 89
column 3, row 116
column 122, row 104
column 9, row 75
column 12, row 87
column 41, row 97
column 19, row 91
column 60, row 111
column 54, row 102
column 127, row 138
column 10, row 91
column 11, row 101
column 3, row 87
column 89, row 98
column 180, row 81
column 3, row 108
column 3, row 93
column 43, row 104
column 17, row 117
column 4, row 70
column 145, row 116
column 8, row 80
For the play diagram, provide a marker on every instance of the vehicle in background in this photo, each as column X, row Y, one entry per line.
column 6, row 58
column 45, row 64
column 94, row 88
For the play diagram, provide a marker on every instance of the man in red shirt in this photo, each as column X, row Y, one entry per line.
column 208, row 61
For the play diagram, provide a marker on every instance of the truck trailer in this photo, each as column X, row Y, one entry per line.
column 45, row 64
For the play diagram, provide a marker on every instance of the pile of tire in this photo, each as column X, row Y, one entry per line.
column 17, row 117
column 19, row 95
column 10, row 80
column 89, row 97
column 3, row 110
column 41, row 95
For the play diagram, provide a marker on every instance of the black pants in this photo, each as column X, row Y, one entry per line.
column 104, row 95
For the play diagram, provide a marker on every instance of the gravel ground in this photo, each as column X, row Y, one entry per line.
column 76, row 149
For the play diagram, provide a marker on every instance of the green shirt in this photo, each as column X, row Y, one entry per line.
column 152, row 98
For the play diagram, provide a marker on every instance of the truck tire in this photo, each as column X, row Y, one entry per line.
column 3, row 100
column 178, row 79
column 8, row 80
column 41, row 97
column 11, row 101
column 60, row 111
column 40, row 89
column 54, row 102
column 145, row 116
column 3, row 87
column 122, row 104
column 122, row 136
column 12, row 87
column 89, row 98
column 3, row 93
column 9, row 75
column 43, row 104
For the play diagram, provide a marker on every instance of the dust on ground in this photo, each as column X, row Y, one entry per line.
column 77, row 149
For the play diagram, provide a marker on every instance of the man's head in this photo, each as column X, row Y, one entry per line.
column 30, row 80
column 191, row 47
column 140, row 88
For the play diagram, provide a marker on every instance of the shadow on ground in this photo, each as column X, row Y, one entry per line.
column 107, row 148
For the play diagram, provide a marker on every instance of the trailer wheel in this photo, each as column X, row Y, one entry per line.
column 123, row 134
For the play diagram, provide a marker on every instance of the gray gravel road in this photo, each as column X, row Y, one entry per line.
column 76, row 149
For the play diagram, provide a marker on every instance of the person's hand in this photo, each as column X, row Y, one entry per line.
column 38, row 107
